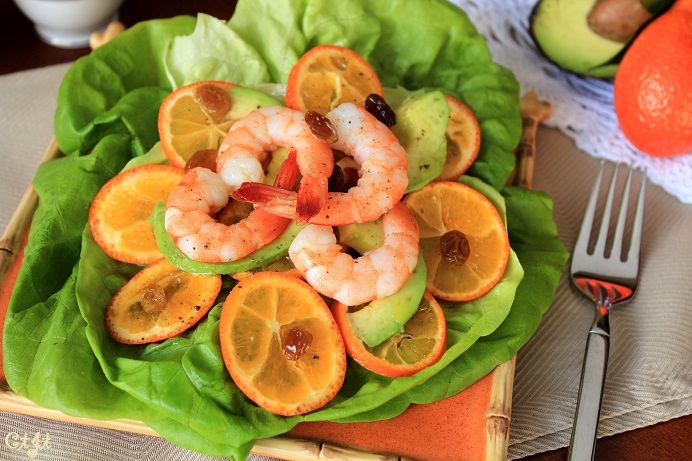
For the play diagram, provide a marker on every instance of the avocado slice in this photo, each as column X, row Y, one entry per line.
column 385, row 317
column 420, row 128
column 362, row 237
column 382, row 318
column 589, row 37
column 244, row 100
column 272, row 169
column 269, row 253
column 561, row 32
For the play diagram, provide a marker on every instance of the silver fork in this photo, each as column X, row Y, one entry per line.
column 606, row 279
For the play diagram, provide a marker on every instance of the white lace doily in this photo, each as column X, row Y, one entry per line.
column 582, row 106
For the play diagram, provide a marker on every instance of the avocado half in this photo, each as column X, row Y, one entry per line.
column 561, row 32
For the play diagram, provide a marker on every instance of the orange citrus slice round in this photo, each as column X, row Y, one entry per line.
column 463, row 238
column 194, row 118
column 328, row 75
column 281, row 345
column 421, row 344
column 463, row 140
column 159, row 302
column 119, row 214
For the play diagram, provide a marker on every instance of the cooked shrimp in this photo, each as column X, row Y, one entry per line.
column 193, row 203
column 264, row 130
column 376, row 274
column 383, row 179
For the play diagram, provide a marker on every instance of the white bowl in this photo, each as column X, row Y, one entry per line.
column 69, row 23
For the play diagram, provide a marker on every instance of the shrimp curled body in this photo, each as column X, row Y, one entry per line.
column 190, row 223
column 376, row 274
column 264, row 130
column 383, row 178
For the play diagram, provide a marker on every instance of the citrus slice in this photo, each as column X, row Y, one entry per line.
column 463, row 140
column 463, row 238
column 281, row 345
column 328, row 75
column 421, row 344
column 197, row 117
column 193, row 118
column 159, row 302
column 119, row 214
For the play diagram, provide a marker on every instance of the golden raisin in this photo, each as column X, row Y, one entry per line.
column 294, row 341
column 455, row 248
column 203, row 158
column 153, row 299
column 321, row 127
column 214, row 100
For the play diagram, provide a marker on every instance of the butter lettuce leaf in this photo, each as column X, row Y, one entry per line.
column 46, row 353
column 95, row 97
column 213, row 52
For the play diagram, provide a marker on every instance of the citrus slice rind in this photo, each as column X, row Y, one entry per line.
column 159, row 302
column 421, row 344
column 441, row 207
column 281, row 345
column 185, row 127
column 119, row 214
column 189, row 123
column 329, row 75
column 463, row 140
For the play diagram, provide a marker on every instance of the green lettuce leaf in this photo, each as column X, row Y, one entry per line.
column 95, row 97
column 213, row 52
column 44, row 340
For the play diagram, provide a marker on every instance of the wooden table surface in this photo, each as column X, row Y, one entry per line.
column 21, row 49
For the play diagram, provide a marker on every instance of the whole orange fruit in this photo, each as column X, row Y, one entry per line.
column 653, row 85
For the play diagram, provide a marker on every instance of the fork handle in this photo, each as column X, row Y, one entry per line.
column 583, row 443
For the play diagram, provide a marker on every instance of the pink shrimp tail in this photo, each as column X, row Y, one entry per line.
column 288, row 172
column 312, row 193
column 278, row 201
column 280, row 193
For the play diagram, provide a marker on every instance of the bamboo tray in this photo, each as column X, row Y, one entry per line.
column 472, row 426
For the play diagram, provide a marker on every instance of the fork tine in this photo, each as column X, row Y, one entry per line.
column 605, row 221
column 622, row 215
column 583, row 240
column 635, row 245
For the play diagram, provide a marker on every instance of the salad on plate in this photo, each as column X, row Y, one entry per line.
column 58, row 350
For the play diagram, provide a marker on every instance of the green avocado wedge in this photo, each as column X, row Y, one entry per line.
column 272, row 252
column 560, row 30
column 362, row 237
column 244, row 100
column 420, row 128
column 382, row 318
column 568, row 35
column 385, row 317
